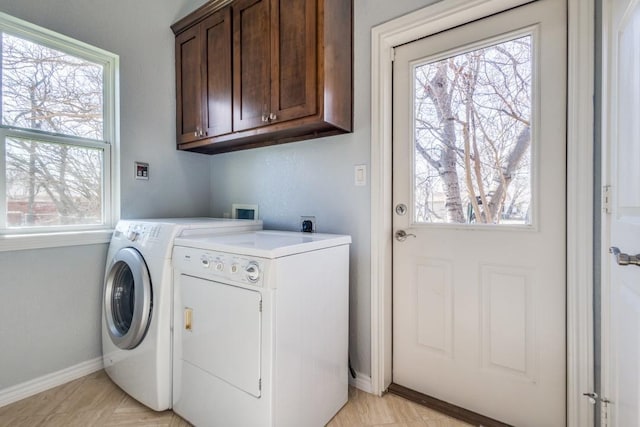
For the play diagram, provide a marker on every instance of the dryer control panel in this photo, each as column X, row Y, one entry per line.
column 218, row 266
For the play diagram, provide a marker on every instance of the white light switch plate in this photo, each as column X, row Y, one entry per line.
column 360, row 175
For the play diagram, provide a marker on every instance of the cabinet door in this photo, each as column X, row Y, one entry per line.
column 189, row 97
column 294, row 59
column 251, row 64
column 217, row 113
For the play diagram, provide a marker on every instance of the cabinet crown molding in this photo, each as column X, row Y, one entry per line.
column 198, row 15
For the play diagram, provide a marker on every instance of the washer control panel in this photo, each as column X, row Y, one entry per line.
column 216, row 265
column 140, row 233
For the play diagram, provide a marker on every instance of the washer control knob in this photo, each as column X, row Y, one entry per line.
column 234, row 268
column 205, row 262
column 252, row 271
column 133, row 235
column 219, row 266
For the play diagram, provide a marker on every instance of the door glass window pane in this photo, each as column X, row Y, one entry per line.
column 472, row 141
column 48, row 90
column 52, row 184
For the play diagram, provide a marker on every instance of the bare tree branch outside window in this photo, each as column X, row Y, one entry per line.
column 46, row 90
column 472, row 118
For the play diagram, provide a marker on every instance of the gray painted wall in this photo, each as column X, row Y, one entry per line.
column 50, row 299
column 317, row 178
column 49, row 305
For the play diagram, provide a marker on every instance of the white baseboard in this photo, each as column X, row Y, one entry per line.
column 45, row 382
column 361, row 382
column 49, row 381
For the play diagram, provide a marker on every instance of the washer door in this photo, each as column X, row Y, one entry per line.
column 127, row 299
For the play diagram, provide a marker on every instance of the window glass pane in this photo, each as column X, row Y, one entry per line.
column 472, row 115
column 48, row 90
column 52, row 184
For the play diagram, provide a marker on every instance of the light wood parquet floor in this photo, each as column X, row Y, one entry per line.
column 95, row 401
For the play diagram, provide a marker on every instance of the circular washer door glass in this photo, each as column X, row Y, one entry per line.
column 127, row 299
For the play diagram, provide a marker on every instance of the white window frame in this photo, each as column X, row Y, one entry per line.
column 54, row 236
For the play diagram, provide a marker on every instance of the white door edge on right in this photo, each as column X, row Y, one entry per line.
column 620, row 294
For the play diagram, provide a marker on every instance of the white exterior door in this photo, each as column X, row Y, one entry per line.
column 479, row 191
column 621, row 283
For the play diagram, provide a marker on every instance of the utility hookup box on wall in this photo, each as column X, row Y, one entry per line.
column 142, row 170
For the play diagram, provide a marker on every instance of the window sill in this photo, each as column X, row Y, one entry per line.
column 20, row 242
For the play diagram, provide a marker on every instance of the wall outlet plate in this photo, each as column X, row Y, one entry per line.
column 308, row 224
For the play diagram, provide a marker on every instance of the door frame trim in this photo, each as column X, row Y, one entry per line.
column 438, row 17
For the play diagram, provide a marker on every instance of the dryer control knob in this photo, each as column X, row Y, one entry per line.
column 205, row 262
column 219, row 266
column 133, row 235
column 253, row 272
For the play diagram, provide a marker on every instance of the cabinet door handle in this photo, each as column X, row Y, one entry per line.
column 195, row 134
column 265, row 118
column 272, row 116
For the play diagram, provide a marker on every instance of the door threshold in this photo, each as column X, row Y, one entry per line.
column 445, row 407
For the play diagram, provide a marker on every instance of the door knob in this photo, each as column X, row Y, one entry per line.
column 624, row 259
column 402, row 235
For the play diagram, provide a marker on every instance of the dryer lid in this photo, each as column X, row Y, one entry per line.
column 265, row 244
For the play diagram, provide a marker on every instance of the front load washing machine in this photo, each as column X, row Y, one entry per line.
column 137, row 302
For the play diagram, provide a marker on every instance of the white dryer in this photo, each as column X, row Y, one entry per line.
column 137, row 302
column 261, row 328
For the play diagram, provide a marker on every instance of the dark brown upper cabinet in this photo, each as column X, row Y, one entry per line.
column 203, row 79
column 290, row 77
column 274, row 59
